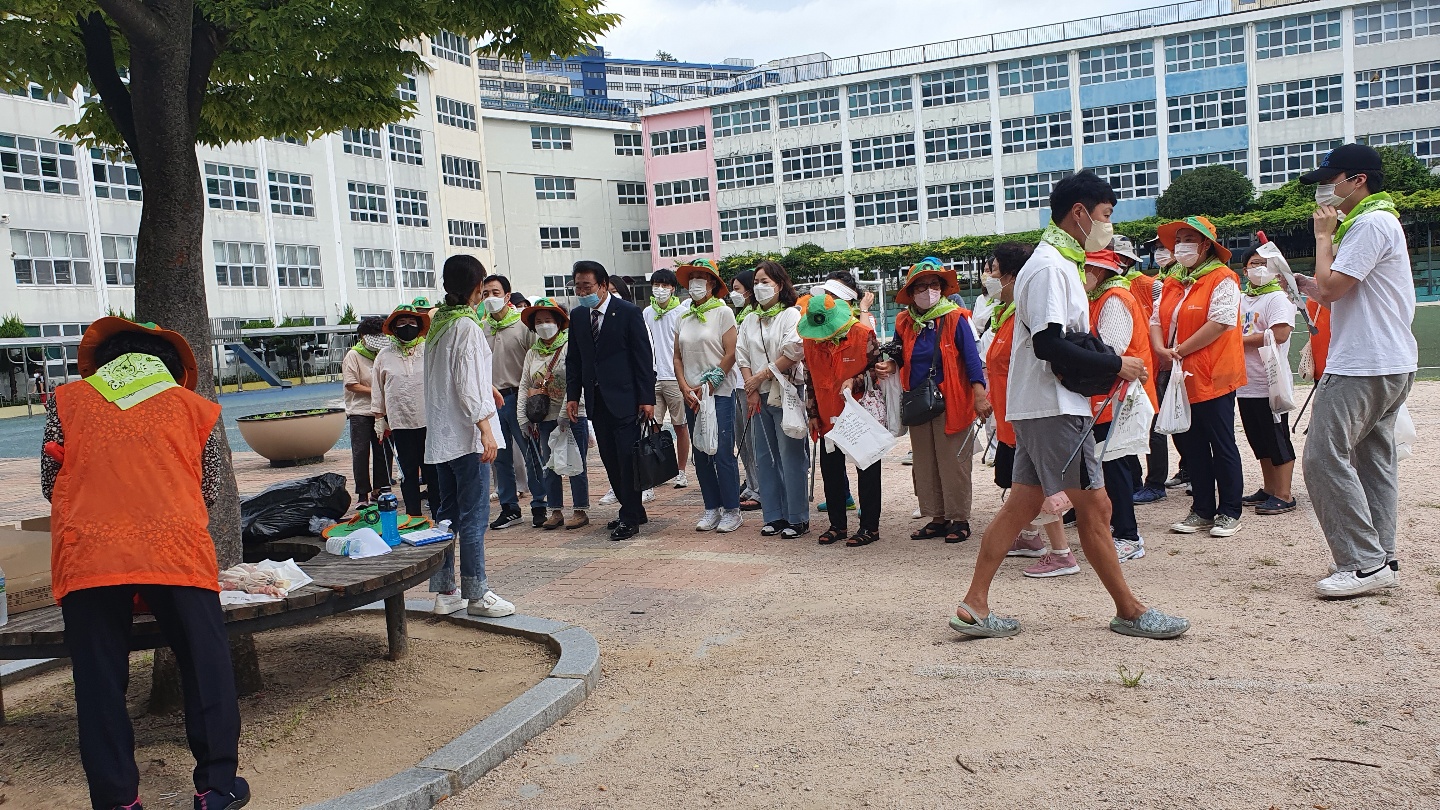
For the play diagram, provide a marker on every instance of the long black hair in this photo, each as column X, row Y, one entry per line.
column 462, row 274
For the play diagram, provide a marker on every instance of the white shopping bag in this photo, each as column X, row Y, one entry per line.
column 1174, row 416
column 890, row 387
column 1129, row 426
column 792, row 419
column 565, row 458
column 859, row 435
column 1405, row 434
column 1277, row 376
column 706, row 435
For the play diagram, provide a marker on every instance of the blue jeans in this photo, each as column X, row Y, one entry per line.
column 464, row 485
column 719, row 474
column 782, row 465
column 505, row 460
column 579, row 484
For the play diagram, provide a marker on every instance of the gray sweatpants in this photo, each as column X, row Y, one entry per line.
column 1351, row 469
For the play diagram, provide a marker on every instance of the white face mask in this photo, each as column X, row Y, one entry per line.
column 1260, row 275
column 1187, row 254
column 765, row 293
column 495, row 303
column 662, row 294
column 926, row 299
column 699, row 289
column 376, row 342
column 1099, row 235
column 1163, row 257
column 737, row 298
column 992, row 286
column 547, row 330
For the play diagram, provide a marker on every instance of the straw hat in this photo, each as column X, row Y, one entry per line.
column 527, row 315
column 822, row 317
column 418, row 309
column 695, row 267
column 109, row 326
column 928, row 266
column 1166, row 234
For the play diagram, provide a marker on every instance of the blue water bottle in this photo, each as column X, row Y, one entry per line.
column 389, row 517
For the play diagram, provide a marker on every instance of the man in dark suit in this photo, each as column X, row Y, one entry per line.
column 610, row 359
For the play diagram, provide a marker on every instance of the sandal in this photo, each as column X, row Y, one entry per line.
column 794, row 530
column 864, row 537
column 831, row 536
column 935, row 528
column 959, row 532
column 991, row 626
column 773, row 528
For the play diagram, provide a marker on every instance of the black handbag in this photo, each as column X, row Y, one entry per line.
column 1091, row 384
column 537, row 407
column 653, row 457
column 921, row 404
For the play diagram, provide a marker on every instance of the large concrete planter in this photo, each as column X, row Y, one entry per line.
column 292, row 439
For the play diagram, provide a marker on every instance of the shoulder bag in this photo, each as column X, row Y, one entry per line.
column 537, row 407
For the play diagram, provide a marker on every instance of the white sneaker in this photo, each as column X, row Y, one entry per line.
column 447, row 603
column 908, row 458
column 681, row 481
column 730, row 520
column 491, row 607
column 1331, row 567
column 708, row 521
column 916, row 514
column 609, row 499
column 1225, row 526
column 1126, row 550
column 647, row 496
column 1350, row 583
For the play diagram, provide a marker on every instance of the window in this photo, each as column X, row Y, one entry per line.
column 808, row 162
column 450, row 46
column 1206, row 49
column 882, row 152
column 632, row 71
column 809, row 216
column 38, row 93
column 614, row 70
column 650, row 71
column 814, row 107
column 1387, row 22
column 1278, row 164
column 118, row 253
column 1424, row 143
column 115, row 178
column 630, row 193
column 297, row 266
column 556, row 238
column 1308, row 33
column 960, row 199
column 36, row 164
column 412, row 208
column 1299, row 99
column 1116, row 63
column 407, row 90
column 290, row 140
column 367, row 202
column 1199, row 111
column 1405, row 84
column 954, row 86
column 405, row 145
column 748, row 223
column 291, row 194
column 1119, row 122
column 557, row 286
column 627, row 144
column 635, row 241
column 635, row 87
column 679, row 192
column 1236, row 160
column 880, row 97
column 743, row 171
column 362, row 142
column 1035, row 132
column 466, row 234
column 887, row 207
column 231, row 188
column 675, row 141
column 1034, row 74
column 741, row 117
column 618, row 87
column 50, row 257
column 455, row 113
column 240, row 264
column 460, row 172
column 554, row 188
column 550, row 138
column 1031, row 190
column 687, row 243
column 417, row 270
column 374, row 269
column 1131, row 181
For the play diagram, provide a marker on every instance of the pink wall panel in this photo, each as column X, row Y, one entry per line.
column 684, row 166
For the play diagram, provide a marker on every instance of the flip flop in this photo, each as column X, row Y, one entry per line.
column 991, row 626
column 414, row 523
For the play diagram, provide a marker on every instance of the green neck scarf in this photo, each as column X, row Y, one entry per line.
column 1379, row 201
column 1066, row 244
column 1200, row 272
column 844, row 331
column 546, row 349
column 661, row 310
column 363, row 350
column 1108, row 284
column 698, row 310
column 1272, row 286
column 494, row 325
column 1134, row 274
column 745, row 312
column 942, row 308
column 777, row 308
column 406, row 347
column 130, row 379
column 1001, row 315
column 447, row 316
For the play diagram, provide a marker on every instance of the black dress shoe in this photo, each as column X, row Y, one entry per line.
column 624, row 531
column 615, row 524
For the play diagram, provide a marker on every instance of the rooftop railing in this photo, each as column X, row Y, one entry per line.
column 559, row 104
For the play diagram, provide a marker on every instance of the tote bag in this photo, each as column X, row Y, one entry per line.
column 653, row 457
column 1174, row 416
column 1277, row 376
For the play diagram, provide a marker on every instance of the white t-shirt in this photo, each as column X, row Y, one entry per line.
column 1258, row 313
column 1048, row 290
column 662, row 338
column 1370, row 327
column 702, row 347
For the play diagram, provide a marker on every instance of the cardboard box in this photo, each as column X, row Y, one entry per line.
column 25, row 556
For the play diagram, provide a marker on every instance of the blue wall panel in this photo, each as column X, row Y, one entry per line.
column 1200, row 81
column 1055, row 160
column 1133, row 209
column 1052, row 101
column 1209, row 140
column 1107, row 154
column 1100, row 95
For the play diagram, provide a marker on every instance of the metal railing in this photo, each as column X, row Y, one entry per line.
column 558, row 104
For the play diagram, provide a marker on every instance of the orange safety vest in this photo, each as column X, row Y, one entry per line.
column 1139, row 345
column 1219, row 368
column 831, row 363
column 1320, row 341
column 959, row 397
column 1142, row 288
column 127, row 507
column 997, row 372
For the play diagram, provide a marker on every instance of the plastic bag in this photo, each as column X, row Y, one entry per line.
column 859, row 435
column 284, row 510
column 1277, row 376
column 890, row 387
column 792, row 419
column 1405, row 435
column 706, row 435
column 565, row 458
column 1130, row 426
column 1174, row 416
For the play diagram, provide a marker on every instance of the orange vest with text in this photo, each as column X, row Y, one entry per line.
column 959, row 397
column 831, row 363
column 1139, row 345
column 997, row 374
column 1219, row 368
column 1320, row 341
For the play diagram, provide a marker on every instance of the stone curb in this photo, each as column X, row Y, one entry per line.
column 13, row 671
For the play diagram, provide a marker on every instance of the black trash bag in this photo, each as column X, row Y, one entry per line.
column 284, row 510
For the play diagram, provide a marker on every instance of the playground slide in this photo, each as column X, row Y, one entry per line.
column 247, row 357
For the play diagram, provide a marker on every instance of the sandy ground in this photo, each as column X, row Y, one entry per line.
column 335, row 715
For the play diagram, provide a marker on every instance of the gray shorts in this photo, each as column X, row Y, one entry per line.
column 1042, row 446
column 668, row 400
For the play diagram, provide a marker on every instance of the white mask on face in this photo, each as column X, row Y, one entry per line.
column 992, row 286
column 1099, row 235
column 1260, row 275
column 765, row 293
column 699, row 289
column 1187, row 254
column 925, row 299
column 495, row 303
column 737, row 298
column 1163, row 257
column 376, row 342
column 547, row 330
column 662, row 294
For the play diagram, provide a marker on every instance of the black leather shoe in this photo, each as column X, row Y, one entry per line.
column 624, row 531
column 615, row 524
column 538, row 514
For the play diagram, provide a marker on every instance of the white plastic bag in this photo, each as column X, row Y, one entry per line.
column 1174, row 416
column 1405, row 435
column 565, row 458
column 859, row 435
column 706, row 436
column 792, row 419
column 890, row 387
column 1130, row 426
column 1277, row 376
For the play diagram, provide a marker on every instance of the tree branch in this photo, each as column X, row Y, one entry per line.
column 100, row 64
column 206, row 42
column 138, row 23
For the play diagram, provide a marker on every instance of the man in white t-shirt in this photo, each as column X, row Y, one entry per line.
column 1362, row 273
column 1055, row 461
